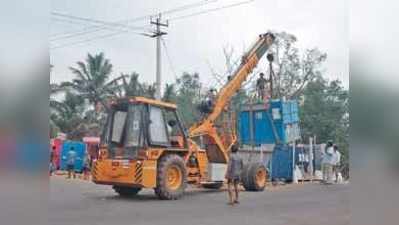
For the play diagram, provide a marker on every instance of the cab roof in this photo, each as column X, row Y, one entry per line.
column 145, row 101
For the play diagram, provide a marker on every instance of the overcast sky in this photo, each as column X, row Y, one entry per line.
column 194, row 41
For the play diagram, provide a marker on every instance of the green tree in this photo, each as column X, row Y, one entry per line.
column 131, row 87
column 93, row 80
column 149, row 90
column 169, row 94
column 188, row 97
column 293, row 69
column 325, row 113
column 70, row 116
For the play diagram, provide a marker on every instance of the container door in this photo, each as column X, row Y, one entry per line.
column 80, row 154
column 244, row 127
column 286, row 113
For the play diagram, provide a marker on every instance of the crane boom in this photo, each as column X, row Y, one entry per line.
column 248, row 63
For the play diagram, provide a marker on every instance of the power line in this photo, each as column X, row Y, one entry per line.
column 92, row 39
column 95, row 28
column 170, row 11
column 111, row 24
column 211, row 10
column 171, row 65
column 73, row 35
column 188, row 6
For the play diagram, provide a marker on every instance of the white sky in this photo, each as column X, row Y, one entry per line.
column 194, row 41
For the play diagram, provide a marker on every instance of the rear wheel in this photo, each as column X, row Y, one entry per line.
column 126, row 191
column 213, row 185
column 254, row 177
column 171, row 177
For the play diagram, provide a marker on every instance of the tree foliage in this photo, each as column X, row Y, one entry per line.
column 293, row 69
column 92, row 80
column 188, row 87
column 325, row 114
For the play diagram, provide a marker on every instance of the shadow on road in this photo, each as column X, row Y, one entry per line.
column 150, row 196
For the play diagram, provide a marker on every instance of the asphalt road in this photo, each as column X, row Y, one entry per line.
column 76, row 202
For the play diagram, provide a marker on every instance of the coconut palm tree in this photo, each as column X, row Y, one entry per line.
column 131, row 87
column 169, row 94
column 93, row 80
column 70, row 115
column 54, row 104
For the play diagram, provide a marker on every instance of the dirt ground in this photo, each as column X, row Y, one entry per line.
column 77, row 202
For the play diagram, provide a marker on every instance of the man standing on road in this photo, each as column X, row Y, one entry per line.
column 328, row 163
column 233, row 174
column 71, row 158
column 337, row 160
column 86, row 167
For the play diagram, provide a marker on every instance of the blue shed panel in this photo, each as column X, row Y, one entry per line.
column 284, row 114
column 287, row 118
column 244, row 128
column 281, row 165
column 294, row 107
column 286, row 108
column 262, row 128
column 294, row 118
column 79, row 148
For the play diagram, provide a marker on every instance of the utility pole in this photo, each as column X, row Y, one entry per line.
column 158, row 33
column 270, row 58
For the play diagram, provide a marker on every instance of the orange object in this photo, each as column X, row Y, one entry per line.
column 140, row 149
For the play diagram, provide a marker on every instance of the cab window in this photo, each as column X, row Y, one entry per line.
column 157, row 127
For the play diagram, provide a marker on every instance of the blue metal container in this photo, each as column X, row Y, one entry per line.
column 280, row 166
column 80, row 150
column 276, row 124
column 244, row 128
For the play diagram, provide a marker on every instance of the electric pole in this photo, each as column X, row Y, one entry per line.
column 270, row 58
column 158, row 33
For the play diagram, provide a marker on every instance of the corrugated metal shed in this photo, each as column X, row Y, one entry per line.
column 79, row 148
column 276, row 124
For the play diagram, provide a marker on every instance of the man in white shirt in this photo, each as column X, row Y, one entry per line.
column 328, row 163
column 337, row 161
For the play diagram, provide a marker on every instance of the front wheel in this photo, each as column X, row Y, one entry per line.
column 171, row 177
column 254, row 177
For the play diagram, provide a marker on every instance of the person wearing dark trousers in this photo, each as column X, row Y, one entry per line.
column 234, row 168
column 71, row 158
column 337, row 160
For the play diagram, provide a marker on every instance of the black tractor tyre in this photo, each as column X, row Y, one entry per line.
column 126, row 191
column 164, row 189
column 213, row 185
column 254, row 177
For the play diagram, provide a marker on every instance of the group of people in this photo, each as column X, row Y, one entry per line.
column 331, row 164
column 71, row 158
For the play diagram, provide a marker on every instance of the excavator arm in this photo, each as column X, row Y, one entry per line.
column 206, row 127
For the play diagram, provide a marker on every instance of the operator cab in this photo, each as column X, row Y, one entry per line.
column 136, row 124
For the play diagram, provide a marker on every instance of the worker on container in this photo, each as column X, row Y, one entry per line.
column 211, row 97
column 337, row 160
column 234, row 169
column 328, row 163
column 71, row 158
column 261, row 87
